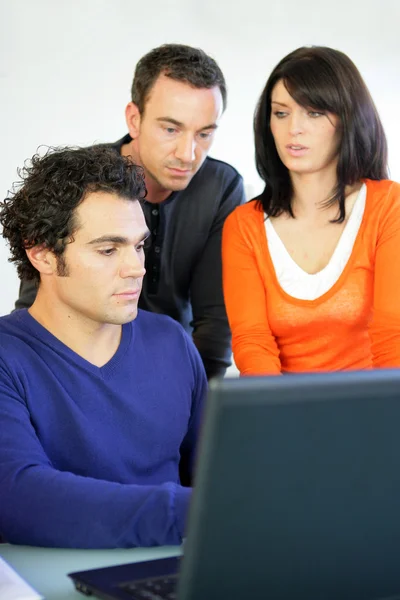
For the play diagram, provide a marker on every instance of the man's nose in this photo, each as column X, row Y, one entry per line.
column 133, row 266
column 185, row 149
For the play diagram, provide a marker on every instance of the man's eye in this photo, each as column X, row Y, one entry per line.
column 140, row 247
column 170, row 130
column 107, row 251
column 205, row 135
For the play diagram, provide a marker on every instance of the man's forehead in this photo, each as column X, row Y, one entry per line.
column 99, row 210
column 171, row 92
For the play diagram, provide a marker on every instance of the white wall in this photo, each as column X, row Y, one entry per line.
column 66, row 68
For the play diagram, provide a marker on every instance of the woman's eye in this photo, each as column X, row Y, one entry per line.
column 280, row 114
column 315, row 114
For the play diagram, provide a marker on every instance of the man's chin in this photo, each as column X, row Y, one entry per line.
column 178, row 187
column 177, row 184
column 178, row 180
column 131, row 316
column 170, row 181
column 123, row 319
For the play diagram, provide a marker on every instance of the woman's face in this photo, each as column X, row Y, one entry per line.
column 307, row 141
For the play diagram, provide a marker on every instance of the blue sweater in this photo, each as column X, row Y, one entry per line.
column 89, row 456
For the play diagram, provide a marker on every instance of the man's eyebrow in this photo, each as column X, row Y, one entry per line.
column 179, row 124
column 118, row 239
column 211, row 126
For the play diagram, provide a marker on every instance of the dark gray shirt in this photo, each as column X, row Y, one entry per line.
column 183, row 261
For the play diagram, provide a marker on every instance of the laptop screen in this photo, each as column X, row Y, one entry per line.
column 297, row 489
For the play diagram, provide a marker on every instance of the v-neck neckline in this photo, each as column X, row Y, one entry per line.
column 48, row 338
column 339, row 282
column 339, row 245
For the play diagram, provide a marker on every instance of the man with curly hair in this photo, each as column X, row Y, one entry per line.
column 178, row 97
column 99, row 402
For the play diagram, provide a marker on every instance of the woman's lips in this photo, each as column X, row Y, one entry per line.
column 296, row 150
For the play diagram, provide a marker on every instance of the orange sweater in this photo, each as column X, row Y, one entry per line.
column 354, row 325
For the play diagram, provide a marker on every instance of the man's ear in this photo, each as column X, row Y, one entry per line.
column 42, row 259
column 132, row 116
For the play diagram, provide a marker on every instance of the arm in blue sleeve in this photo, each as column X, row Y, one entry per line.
column 42, row 506
column 199, row 391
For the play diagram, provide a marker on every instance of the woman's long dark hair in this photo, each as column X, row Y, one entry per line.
column 323, row 79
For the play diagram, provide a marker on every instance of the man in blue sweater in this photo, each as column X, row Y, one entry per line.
column 100, row 402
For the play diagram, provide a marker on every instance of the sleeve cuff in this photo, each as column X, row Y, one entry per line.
column 182, row 501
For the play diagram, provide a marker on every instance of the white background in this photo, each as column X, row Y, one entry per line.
column 67, row 65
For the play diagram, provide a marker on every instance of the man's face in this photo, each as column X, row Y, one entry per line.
column 176, row 130
column 104, row 264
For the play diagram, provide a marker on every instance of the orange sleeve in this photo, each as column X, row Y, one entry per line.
column 385, row 325
column 254, row 347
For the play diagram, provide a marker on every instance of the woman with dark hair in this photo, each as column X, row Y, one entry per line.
column 311, row 269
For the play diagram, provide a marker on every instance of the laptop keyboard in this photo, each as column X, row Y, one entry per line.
column 154, row 588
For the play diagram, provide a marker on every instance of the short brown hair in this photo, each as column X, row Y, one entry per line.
column 179, row 62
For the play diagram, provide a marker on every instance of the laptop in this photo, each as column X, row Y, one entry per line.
column 297, row 496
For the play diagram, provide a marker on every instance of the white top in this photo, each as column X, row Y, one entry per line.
column 305, row 286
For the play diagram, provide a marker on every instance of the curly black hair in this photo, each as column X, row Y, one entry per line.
column 40, row 208
column 181, row 63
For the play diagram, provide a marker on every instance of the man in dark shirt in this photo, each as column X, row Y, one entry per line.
column 178, row 97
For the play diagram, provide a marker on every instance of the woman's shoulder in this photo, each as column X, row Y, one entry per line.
column 382, row 189
column 245, row 222
column 383, row 204
column 250, row 211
